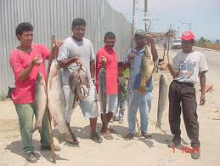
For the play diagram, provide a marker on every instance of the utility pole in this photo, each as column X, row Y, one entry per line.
column 133, row 22
column 145, row 14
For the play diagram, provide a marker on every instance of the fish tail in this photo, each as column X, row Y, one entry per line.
column 158, row 125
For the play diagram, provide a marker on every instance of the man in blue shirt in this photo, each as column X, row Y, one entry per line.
column 135, row 100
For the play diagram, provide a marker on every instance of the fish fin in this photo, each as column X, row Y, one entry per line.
column 158, row 125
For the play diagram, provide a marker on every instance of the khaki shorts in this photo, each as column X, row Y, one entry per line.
column 89, row 105
column 112, row 104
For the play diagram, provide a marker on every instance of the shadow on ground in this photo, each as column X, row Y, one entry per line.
column 16, row 148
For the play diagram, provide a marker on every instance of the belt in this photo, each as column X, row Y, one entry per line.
column 184, row 83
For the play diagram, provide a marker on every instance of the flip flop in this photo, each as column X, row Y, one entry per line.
column 110, row 130
column 108, row 136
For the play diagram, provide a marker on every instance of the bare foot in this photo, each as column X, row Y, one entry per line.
column 107, row 135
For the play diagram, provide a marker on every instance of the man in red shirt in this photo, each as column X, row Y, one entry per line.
column 107, row 57
column 26, row 61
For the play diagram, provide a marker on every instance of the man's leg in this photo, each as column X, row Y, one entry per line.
column 191, row 118
column 93, row 122
column 105, row 120
column 109, row 115
column 112, row 103
column 174, row 113
column 132, row 111
column 122, row 104
column 89, row 107
column 144, row 108
column 25, row 114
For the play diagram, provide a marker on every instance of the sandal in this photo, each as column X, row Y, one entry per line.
column 146, row 135
column 95, row 137
column 108, row 136
column 129, row 136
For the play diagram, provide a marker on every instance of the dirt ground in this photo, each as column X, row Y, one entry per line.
column 119, row 152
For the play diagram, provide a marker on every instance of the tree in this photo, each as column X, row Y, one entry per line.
column 201, row 42
column 217, row 41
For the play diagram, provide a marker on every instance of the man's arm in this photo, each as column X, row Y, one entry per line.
column 202, row 78
column 92, row 69
column 173, row 72
column 26, row 72
column 163, row 65
column 150, row 41
column 63, row 57
column 67, row 61
column 128, row 59
column 154, row 51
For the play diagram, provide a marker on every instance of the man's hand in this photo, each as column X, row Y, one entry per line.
column 202, row 99
column 103, row 61
column 131, row 57
column 37, row 60
column 78, row 62
column 149, row 38
column 163, row 65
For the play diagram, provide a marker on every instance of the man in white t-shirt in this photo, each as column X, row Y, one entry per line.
column 187, row 68
column 76, row 51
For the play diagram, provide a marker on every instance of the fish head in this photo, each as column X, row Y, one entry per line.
column 102, row 72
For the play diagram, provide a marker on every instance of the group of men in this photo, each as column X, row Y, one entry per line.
column 27, row 60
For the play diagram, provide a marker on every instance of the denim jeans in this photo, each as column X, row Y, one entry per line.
column 143, row 103
column 121, row 107
column 26, row 114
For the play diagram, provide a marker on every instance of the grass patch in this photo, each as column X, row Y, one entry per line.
column 214, row 46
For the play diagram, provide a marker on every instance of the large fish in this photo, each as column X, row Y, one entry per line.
column 146, row 70
column 162, row 100
column 79, row 85
column 56, row 101
column 102, row 89
column 40, row 101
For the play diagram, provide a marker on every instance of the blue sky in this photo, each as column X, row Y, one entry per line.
column 204, row 15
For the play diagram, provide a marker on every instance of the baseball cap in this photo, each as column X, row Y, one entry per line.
column 188, row 35
column 140, row 32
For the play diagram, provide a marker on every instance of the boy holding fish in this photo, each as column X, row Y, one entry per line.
column 106, row 58
column 26, row 61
